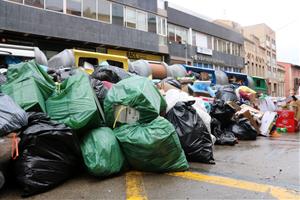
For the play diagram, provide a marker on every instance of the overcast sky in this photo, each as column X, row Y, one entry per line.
column 283, row 16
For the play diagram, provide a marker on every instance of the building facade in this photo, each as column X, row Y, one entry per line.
column 255, row 58
column 260, row 54
column 292, row 78
column 267, row 39
column 138, row 29
column 135, row 28
column 197, row 41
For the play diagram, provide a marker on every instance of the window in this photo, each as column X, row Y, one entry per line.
column 180, row 35
column 171, row 34
column 201, row 40
column 141, row 21
column 117, row 14
column 215, row 44
column 209, row 42
column 56, row 5
column 152, row 23
column 83, row 61
column 89, row 9
column 194, row 38
column 228, row 47
column 35, row 3
column 130, row 17
column 104, row 11
column 115, row 63
column 74, row 7
column 161, row 26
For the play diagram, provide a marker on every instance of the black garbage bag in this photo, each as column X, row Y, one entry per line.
column 99, row 89
column 2, row 180
column 2, row 79
column 110, row 73
column 222, row 112
column 12, row 116
column 226, row 93
column 242, row 129
column 223, row 137
column 59, row 75
column 49, row 153
column 172, row 82
column 193, row 134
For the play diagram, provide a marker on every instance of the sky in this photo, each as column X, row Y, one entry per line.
column 283, row 16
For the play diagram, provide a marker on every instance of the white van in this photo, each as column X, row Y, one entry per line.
column 13, row 54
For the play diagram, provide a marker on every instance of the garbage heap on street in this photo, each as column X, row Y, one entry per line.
column 53, row 125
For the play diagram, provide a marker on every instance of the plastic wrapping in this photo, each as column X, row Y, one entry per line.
column 49, row 154
column 153, row 147
column 177, row 70
column 222, row 112
column 110, row 73
column 12, row 117
column 242, row 129
column 2, row 78
column 226, row 93
column 29, row 85
column 101, row 152
column 172, row 82
column 75, row 104
column 193, row 134
column 222, row 137
column 8, row 148
column 138, row 93
column 63, row 59
column 100, row 90
column 141, row 68
column 2, row 179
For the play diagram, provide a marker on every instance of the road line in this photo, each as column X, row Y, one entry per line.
column 134, row 186
column 277, row 192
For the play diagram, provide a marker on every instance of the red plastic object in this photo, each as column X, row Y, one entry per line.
column 286, row 114
column 289, row 124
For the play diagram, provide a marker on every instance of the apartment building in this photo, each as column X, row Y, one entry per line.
column 260, row 54
column 196, row 40
column 291, row 78
column 134, row 28
column 267, row 39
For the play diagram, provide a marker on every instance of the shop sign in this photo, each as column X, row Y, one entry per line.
column 205, row 51
column 208, row 59
column 133, row 55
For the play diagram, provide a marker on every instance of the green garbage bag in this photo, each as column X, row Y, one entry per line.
column 136, row 92
column 153, row 147
column 29, row 85
column 101, row 152
column 74, row 103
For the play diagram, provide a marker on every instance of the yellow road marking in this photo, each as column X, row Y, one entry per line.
column 135, row 186
column 277, row 192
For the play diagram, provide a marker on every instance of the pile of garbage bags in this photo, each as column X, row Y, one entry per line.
column 54, row 125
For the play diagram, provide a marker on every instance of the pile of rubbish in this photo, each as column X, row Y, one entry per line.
column 53, row 125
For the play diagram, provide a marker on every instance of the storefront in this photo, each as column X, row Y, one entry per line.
column 133, row 55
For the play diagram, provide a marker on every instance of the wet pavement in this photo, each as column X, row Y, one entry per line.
column 263, row 169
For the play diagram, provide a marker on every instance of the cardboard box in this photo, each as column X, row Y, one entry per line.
column 166, row 86
column 256, row 113
column 125, row 114
column 246, row 113
column 267, row 122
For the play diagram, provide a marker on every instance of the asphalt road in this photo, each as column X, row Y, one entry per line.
column 263, row 169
